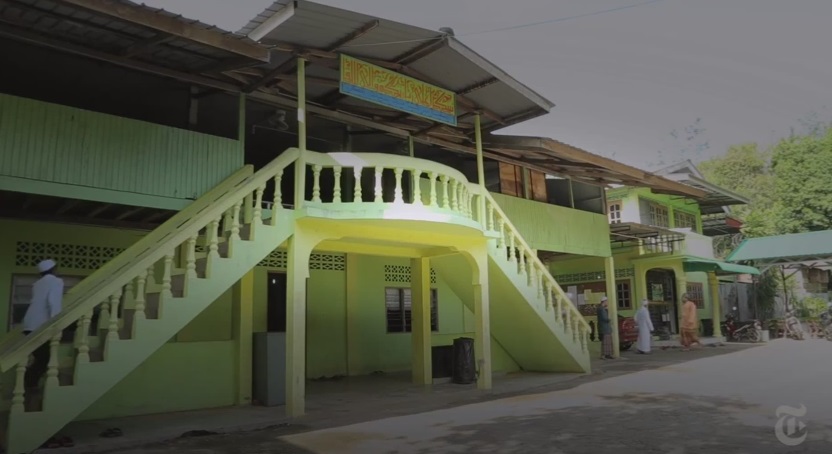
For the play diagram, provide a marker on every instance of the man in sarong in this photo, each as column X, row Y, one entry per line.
column 690, row 323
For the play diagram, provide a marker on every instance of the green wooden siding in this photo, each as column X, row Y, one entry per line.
column 558, row 229
column 54, row 143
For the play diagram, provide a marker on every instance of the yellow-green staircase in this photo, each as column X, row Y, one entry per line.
column 130, row 307
column 133, row 305
column 531, row 316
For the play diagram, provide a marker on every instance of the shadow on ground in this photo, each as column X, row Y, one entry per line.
column 643, row 423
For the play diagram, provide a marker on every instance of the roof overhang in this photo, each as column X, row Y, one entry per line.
column 582, row 165
column 715, row 198
column 798, row 250
column 694, row 265
column 320, row 33
column 720, row 224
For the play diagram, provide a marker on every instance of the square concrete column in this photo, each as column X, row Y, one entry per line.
column 612, row 304
column 243, row 328
column 297, row 273
column 482, row 317
column 420, row 302
column 716, row 305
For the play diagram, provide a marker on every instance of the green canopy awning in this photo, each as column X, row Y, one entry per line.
column 708, row 265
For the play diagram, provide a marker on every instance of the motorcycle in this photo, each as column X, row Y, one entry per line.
column 826, row 324
column 750, row 332
column 794, row 329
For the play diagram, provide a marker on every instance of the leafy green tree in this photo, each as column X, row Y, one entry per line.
column 802, row 167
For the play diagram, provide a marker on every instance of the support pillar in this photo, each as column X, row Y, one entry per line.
column 300, row 164
column 716, row 305
column 612, row 304
column 420, row 333
column 297, row 273
column 243, row 329
column 480, row 170
column 482, row 318
column 681, row 289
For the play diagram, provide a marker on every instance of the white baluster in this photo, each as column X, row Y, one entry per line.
column 377, row 188
column 548, row 294
column 559, row 308
column 357, row 197
column 446, row 194
column 258, row 206
column 490, row 218
column 52, row 366
column 141, row 289
column 112, row 329
column 19, row 391
column 454, row 196
column 83, row 345
column 501, row 242
column 416, row 176
column 166, row 278
column 190, row 258
column 235, row 220
column 277, row 202
column 512, row 251
column 103, row 317
column 336, row 192
column 433, row 195
column 226, row 221
column 213, row 238
column 398, row 193
column 522, row 257
column 316, row 183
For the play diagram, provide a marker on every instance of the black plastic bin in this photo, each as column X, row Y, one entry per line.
column 465, row 369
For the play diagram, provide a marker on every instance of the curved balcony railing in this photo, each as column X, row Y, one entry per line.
column 363, row 182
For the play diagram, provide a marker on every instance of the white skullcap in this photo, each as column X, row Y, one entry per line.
column 46, row 265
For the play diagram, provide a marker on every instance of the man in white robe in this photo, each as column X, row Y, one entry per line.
column 645, row 329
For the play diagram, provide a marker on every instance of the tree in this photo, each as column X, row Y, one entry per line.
column 802, row 169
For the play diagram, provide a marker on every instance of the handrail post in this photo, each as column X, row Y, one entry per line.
column 480, row 169
column 300, row 164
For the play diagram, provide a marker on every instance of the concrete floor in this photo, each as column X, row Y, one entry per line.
column 394, row 416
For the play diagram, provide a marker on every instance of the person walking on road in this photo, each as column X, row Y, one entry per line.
column 645, row 329
column 690, row 323
column 605, row 329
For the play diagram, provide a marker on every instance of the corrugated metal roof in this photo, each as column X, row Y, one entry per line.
column 79, row 26
column 452, row 65
column 798, row 247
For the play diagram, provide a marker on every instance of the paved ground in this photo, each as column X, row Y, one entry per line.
column 714, row 403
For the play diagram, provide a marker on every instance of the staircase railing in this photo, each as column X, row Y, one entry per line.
column 131, row 271
column 444, row 190
column 529, row 266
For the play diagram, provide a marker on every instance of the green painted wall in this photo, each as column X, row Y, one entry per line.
column 351, row 339
column 554, row 228
column 54, row 143
column 202, row 354
column 180, row 376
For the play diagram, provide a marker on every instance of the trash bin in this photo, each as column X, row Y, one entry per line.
column 465, row 371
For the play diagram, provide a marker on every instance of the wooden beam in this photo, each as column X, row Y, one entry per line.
column 99, row 210
column 67, row 205
column 363, row 30
column 421, row 51
column 143, row 46
column 477, row 86
column 279, row 69
column 173, row 26
column 127, row 213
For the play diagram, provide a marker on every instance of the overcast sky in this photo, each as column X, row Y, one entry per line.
column 623, row 80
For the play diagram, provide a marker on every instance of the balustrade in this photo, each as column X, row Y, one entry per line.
column 389, row 180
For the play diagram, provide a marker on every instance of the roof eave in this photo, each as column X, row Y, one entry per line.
column 498, row 73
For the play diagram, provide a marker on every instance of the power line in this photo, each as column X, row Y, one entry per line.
column 513, row 27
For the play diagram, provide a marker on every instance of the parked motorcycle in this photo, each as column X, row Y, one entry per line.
column 794, row 329
column 729, row 327
column 749, row 332
column 826, row 323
